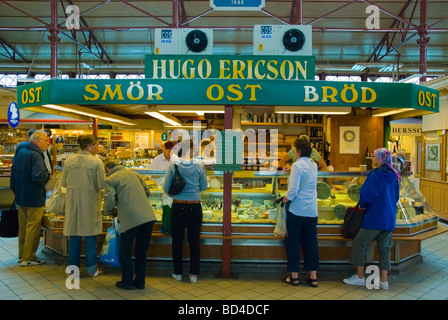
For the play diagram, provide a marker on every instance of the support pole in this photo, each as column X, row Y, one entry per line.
column 95, row 127
column 227, row 205
column 54, row 39
column 423, row 38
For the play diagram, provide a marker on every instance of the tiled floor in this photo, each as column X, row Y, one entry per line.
column 427, row 280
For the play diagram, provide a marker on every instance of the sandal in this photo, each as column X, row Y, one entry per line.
column 312, row 282
column 96, row 274
column 292, row 281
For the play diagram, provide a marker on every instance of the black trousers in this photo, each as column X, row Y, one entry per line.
column 142, row 236
column 302, row 234
column 186, row 216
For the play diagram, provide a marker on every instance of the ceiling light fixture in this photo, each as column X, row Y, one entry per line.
column 84, row 112
column 411, row 79
column 165, row 118
column 312, row 110
column 390, row 68
column 390, row 112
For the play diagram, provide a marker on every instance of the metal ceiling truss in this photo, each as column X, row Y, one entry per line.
column 179, row 19
column 11, row 51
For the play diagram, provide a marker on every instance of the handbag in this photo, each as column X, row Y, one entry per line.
column 110, row 252
column 9, row 222
column 178, row 183
column 56, row 203
column 352, row 221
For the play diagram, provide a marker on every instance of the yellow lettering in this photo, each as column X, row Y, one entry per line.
column 31, row 96
column 38, row 90
column 301, row 69
column 283, row 70
column 272, row 69
column 258, row 75
column 108, row 91
column 235, row 88
column 252, row 88
column 158, row 93
column 156, row 67
column 238, row 71
column 185, row 71
column 222, row 69
column 364, row 95
column 220, row 92
column 172, row 75
column 201, row 69
column 249, row 69
column 92, row 88
column 25, row 96
column 428, row 99
column 325, row 94
column 421, row 98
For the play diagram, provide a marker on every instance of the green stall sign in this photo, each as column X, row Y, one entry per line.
column 309, row 93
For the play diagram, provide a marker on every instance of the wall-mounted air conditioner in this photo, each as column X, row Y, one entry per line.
column 196, row 41
column 167, row 41
column 282, row 40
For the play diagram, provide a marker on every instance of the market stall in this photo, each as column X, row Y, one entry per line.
column 286, row 88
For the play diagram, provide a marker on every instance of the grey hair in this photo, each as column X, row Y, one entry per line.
column 38, row 134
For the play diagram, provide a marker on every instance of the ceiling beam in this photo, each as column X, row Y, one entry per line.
column 12, row 55
column 92, row 36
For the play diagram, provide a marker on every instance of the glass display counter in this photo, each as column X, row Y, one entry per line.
column 253, row 216
column 254, row 194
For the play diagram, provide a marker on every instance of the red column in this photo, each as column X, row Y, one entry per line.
column 95, row 127
column 54, row 39
column 423, row 39
column 227, row 205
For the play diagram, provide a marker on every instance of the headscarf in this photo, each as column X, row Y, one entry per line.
column 385, row 157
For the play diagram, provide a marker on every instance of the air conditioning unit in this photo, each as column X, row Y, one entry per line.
column 196, row 41
column 282, row 40
column 167, row 41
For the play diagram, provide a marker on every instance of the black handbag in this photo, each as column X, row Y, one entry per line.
column 9, row 222
column 178, row 183
column 352, row 221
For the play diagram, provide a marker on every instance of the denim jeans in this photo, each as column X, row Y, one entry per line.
column 142, row 236
column 74, row 252
column 186, row 216
column 302, row 233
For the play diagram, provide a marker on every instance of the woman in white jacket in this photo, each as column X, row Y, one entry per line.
column 84, row 177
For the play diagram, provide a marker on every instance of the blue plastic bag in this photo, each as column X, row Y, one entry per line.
column 110, row 253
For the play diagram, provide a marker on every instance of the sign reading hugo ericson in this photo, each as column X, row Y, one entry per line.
column 229, row 67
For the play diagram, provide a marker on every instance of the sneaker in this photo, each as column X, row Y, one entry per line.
column 35, row 262
column 193, row 278
column 354, row 280
column 178, row 277
column 384, row 285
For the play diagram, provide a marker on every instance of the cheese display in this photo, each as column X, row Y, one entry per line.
column 253, row 199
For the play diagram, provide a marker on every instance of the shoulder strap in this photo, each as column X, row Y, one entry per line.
column 309, row 174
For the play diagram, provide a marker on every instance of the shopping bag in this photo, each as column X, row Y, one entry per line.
column 352, row 221
column 9, row 222
column 110, row 252
column 166, row 220
column 56, row 203
column 280, row 226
